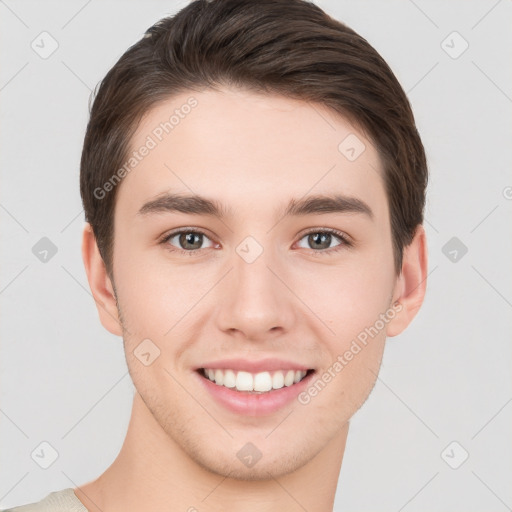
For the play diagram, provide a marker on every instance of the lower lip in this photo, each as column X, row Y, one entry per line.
column 254, row 404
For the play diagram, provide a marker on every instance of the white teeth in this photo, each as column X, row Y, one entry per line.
column 278, row 380
column 219, row 377
column 261, row 382
column 229, row 379
column 244, row 381
column 288, row 380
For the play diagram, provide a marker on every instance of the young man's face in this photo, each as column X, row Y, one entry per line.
column 257, row 286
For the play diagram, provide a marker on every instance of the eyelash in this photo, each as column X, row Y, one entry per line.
column 344, row 241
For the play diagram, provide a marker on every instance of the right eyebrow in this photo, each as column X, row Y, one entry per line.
column 192, row 204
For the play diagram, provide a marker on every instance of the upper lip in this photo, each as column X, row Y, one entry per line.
column 252, row 366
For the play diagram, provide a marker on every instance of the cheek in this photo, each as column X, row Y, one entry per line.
column 347, row 298
column 154, row 297
column 358, row 307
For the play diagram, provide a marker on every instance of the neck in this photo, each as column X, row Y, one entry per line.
column 152, row 472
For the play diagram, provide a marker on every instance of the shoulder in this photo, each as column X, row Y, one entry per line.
column 59, row 501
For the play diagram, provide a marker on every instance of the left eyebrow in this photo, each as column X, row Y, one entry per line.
column 319, row 204
column 197, row 205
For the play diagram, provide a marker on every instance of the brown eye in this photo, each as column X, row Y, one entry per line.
column 186, row 240
column 190, row 241
column 321, row 241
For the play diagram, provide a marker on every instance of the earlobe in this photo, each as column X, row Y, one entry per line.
column 411, row 284
column 100, row 283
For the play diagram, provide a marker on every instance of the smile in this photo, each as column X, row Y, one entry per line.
column 261, row 382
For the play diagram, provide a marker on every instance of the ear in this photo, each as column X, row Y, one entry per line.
column 99, row 282
column 411, row 284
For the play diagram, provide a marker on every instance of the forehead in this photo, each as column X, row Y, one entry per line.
column 249, row 150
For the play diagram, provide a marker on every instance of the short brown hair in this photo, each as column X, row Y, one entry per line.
column 285, row 47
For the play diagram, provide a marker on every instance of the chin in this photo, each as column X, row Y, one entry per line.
column 263, row 470
column 232, row 459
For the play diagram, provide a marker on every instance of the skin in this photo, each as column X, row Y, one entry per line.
column 252, row 153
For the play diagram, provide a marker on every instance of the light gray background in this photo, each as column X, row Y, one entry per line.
column 447, row 378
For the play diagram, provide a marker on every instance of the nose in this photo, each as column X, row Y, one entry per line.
column 256, row 302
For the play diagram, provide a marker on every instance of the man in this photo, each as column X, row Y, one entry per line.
column 253, row 184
